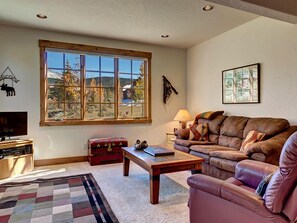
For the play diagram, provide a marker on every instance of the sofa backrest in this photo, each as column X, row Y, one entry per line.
column 231, row 131
column 269, row 126
column 214, row 126
column 284, row 180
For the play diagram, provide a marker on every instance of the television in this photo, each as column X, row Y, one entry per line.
column 13, row 124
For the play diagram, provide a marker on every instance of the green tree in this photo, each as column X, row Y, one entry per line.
column 68, row 88
column 138, row 85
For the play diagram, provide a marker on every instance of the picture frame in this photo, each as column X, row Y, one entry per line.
column 241, row 85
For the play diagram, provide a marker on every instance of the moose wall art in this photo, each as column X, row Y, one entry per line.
column 10, row 91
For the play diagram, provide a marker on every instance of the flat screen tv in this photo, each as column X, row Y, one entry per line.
column 13, row 124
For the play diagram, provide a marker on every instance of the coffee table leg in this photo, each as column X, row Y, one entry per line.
column 126, row 165
column 195, row 171
column 154, row 188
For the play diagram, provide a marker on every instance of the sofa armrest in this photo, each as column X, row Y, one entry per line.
column 205, row 183
column 271, row 147
column 182, row 133
column 227, row 191
column 251, row 172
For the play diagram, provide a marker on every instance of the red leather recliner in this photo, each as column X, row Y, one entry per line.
column 234, row 200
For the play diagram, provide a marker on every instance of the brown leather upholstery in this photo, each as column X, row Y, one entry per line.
column 228, row 133
column 284, row 180
column 223, row 164
column 228, row 141
column 214, row 124
column 269, row 126
column 234, row 126
column 234, row 200
column 229, row 155
column 207, row 149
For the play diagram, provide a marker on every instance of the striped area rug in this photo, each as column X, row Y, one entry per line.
column 65, row 199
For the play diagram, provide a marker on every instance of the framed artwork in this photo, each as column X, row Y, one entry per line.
column 241, row 85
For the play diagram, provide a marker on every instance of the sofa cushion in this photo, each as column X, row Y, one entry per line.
column 252, row 137
column 214, row 138
column 207, row 149
column 214, row 125
column 227, row 141
column 234, row 126
column 227, row 165
column 202, row 155
column 229, row 155
column 189, row 143
column 269, row 126
column 284, row 180
column 184, row 149
column 199, row 132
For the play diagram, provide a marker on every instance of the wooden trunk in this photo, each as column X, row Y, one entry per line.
column 106, row 150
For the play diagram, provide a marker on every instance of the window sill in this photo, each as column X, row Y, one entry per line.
column 99, row 122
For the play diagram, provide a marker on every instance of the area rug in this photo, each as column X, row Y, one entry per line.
column 65, row 199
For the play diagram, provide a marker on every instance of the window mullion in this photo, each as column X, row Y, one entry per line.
column 116, row 87
column 82, row 86
column 145, row 71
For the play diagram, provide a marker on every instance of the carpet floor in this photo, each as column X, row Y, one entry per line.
column 128, row 197
column 68, row 199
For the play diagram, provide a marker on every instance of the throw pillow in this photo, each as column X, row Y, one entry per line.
column 261, row 189
column 252, row 137
column 199, row 132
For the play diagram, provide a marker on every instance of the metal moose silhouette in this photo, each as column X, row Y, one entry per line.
column 167, row 89
column 9, row 89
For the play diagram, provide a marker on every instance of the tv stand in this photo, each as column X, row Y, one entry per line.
column 18, row 157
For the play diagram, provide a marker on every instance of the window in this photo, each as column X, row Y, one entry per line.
column 83, row 84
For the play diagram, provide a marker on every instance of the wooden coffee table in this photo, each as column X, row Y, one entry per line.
column 180, row 161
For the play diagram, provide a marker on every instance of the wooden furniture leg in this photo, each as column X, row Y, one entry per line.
column 154, row 188
column 126, row 165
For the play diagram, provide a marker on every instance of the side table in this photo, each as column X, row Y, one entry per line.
column 170, row 137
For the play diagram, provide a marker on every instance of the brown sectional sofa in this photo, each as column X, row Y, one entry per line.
column 226, row 134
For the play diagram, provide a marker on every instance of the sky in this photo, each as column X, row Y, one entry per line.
column 55, row 60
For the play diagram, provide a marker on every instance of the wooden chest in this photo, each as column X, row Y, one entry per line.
column 106, row 150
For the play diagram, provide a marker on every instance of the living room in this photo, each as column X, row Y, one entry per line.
column 194, row 70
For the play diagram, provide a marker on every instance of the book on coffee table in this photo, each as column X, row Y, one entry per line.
column 158, row 151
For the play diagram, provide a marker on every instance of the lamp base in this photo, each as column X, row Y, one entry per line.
column 182, row 125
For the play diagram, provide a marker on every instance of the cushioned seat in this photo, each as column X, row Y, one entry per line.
column 234, row 200
column 189, row 143
column 208, row 149
column 223, row 164
column 258, row 139
column 229, row 155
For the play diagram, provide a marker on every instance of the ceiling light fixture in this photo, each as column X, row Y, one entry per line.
column 207, row 8
column 41, row 16
column 165, row 36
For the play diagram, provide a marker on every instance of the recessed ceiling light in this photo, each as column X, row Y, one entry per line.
column 207, row 8
column 41, row 16
column 165, row 36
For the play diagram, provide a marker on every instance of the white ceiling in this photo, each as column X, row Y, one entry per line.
column 133, row 20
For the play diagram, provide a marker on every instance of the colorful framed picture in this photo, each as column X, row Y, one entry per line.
column 241, row 85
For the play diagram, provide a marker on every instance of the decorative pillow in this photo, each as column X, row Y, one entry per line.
column 252, row 137
column 263, row 185
column 199, row 132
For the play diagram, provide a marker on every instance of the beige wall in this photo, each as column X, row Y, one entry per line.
column 269, row 42
column 19, row 50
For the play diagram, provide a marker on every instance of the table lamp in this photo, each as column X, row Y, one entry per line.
column 183, row 116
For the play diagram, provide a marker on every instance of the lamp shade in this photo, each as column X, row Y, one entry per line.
column 183, row 116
